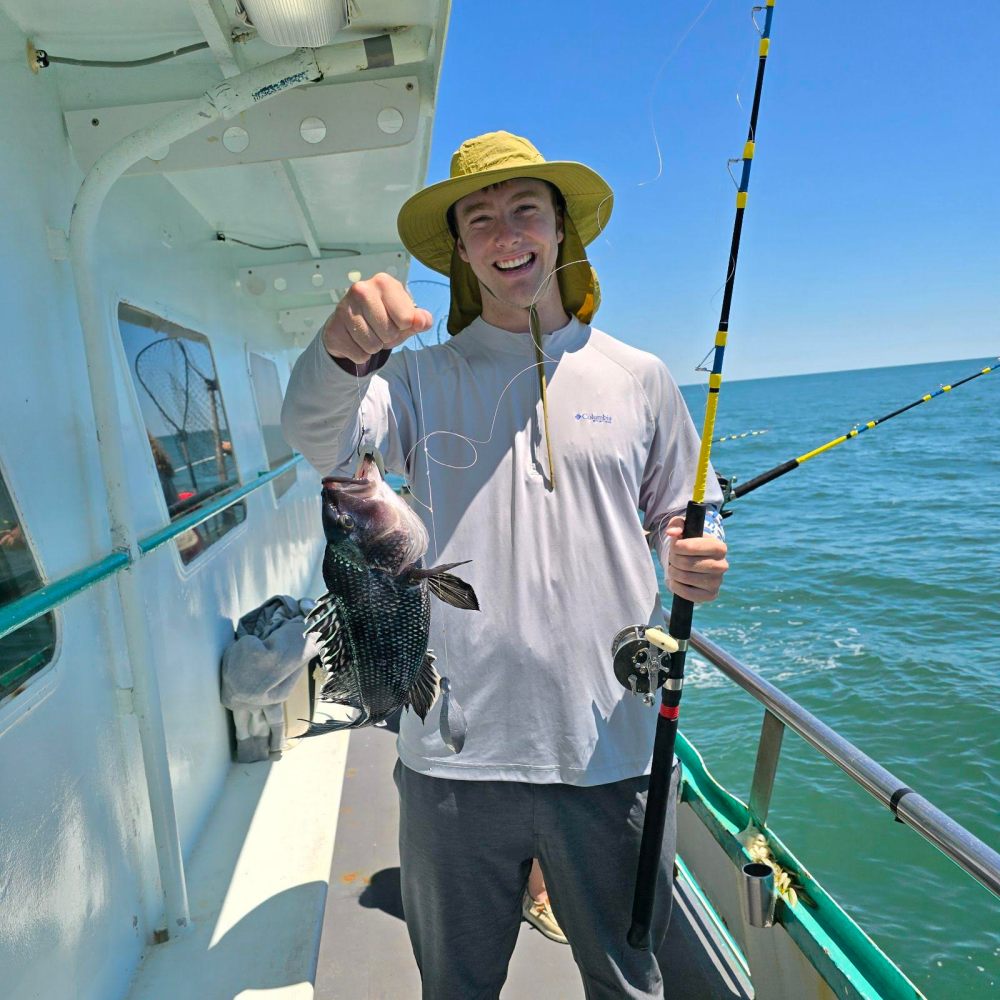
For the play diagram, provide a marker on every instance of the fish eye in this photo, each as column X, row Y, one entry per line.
column 346, row 521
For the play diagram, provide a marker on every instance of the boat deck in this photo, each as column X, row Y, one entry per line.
column 365, row 952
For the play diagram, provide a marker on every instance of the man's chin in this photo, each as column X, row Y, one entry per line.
column 511, row 295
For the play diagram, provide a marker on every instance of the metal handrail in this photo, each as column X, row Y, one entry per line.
column 39, row 602
column 935, row 826
column 220, row 503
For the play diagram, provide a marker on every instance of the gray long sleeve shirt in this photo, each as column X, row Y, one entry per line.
column 558, row 573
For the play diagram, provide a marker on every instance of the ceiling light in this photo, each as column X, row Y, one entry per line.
column 295, row 23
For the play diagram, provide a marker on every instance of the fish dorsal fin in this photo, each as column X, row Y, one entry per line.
column 448, row 588
column 425, row 688
column 325, row 623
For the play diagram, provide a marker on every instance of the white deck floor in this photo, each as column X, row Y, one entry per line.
column 257, row 884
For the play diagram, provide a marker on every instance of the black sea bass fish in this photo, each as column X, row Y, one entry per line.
column 373, row 623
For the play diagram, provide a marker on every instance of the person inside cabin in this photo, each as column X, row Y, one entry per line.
column 555, row 489
column 165, row 470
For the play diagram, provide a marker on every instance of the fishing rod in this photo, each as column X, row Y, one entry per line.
column 647, row 658
column 734, row 493
column 739, row 437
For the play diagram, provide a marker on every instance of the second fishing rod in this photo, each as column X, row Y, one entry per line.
column 734, row 492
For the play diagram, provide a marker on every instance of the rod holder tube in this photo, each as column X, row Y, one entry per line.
column 758, row 894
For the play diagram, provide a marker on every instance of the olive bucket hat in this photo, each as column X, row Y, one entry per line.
column 489, row 159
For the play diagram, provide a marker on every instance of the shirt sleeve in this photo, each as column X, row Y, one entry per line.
column 332, row 417
column 668, row 478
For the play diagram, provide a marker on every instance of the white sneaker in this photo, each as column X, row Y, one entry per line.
column 539, row 914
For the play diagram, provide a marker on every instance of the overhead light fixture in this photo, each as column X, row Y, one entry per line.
column 296, row 23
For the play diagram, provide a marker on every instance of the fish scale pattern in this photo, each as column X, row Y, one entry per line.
column 376, row 637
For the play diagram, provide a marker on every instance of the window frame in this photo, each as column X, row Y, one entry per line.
column 294, row 471
column 161, row 325
column 39, row 684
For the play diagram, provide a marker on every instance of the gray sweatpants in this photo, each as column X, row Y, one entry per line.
column 465, row 851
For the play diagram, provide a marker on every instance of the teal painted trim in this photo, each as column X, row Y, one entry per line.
column 26, row 609
column 34, row 605
column 216, row 506
column 10, row 680
column 833, row 943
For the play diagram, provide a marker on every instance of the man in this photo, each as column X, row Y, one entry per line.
column 550, row 487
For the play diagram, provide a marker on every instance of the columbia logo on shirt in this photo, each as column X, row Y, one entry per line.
column 595, row 418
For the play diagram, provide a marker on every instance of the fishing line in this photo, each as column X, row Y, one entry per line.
column 750, row 65
column 652, row 92
column 430, row 498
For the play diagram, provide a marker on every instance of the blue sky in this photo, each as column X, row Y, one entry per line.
column 871, row 236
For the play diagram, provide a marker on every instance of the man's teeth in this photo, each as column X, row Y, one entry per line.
column 508, row 265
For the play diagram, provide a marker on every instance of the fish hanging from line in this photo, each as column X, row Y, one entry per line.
column 373, row 623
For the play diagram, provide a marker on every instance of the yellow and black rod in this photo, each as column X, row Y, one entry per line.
column 793, row 463
column 739, row 437
column 682, row 610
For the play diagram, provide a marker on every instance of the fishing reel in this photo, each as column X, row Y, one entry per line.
column 727, row 486
column 641, row 658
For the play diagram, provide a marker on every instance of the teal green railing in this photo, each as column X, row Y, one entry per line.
column 39, row 602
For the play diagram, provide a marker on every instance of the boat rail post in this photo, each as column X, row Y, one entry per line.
column 772, row 730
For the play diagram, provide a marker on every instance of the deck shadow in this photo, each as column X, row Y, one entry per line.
column 383, row 893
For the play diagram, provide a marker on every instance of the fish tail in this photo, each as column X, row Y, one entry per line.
column 332, row 726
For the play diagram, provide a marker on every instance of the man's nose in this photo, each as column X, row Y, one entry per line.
column 507, row 232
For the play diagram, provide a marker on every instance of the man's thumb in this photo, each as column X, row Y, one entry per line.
column 422, row 320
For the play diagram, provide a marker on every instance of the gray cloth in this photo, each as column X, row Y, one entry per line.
column 465, row 850
column 260, row 670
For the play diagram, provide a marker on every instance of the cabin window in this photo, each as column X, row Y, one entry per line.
column 186, row 426
column 267, row 390
column 25, row 651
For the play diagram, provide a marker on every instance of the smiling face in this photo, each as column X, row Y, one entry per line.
column 509, row 234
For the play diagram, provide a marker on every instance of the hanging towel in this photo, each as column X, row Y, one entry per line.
column 260, row 670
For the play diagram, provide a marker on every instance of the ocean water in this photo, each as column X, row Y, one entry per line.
column 866, row 585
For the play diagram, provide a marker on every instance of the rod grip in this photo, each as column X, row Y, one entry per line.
column 765, row 477
column 681, row 609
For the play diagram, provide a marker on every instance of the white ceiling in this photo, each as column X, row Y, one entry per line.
column 349, row 199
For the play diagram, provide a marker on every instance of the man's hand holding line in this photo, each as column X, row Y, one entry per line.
column 375, row 315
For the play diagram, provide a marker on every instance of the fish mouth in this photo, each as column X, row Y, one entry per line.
column 369, row 474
